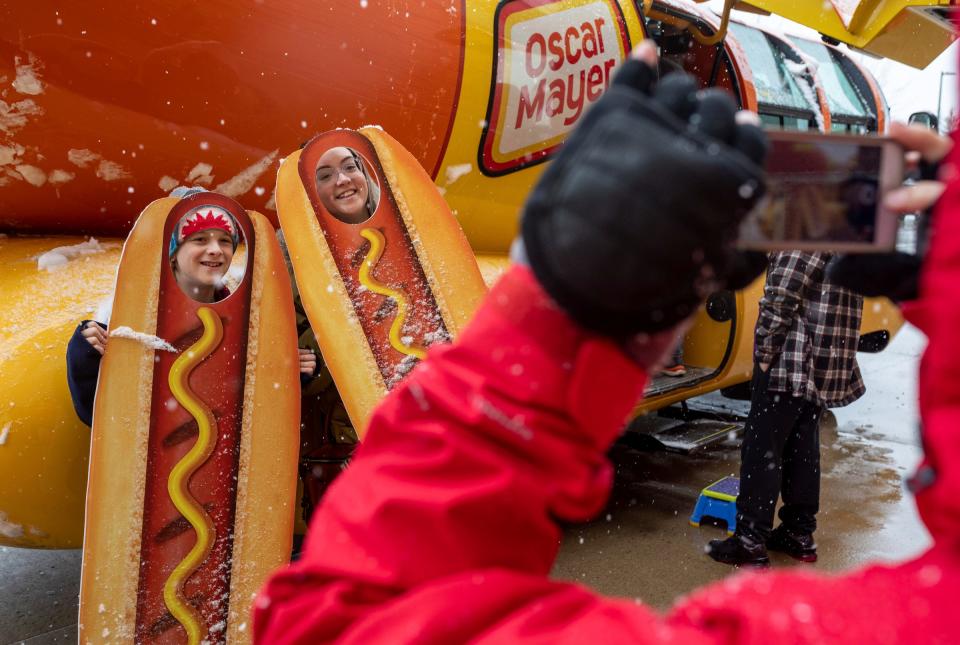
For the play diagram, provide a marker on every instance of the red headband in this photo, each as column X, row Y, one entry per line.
column 200, row 221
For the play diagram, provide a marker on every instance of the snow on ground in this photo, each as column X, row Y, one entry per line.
column 880, row 434
column 889, row 407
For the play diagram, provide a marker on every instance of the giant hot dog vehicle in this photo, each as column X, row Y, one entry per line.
column 105, row 108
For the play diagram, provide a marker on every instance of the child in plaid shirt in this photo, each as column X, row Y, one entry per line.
column 805, row 361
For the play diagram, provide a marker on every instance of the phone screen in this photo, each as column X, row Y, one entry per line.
column 824, row 192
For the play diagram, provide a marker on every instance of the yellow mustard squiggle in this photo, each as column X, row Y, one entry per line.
column 180, row 474
column 377, row 244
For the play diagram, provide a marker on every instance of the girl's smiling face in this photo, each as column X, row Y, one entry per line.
column 342, row 186
column 201, row 261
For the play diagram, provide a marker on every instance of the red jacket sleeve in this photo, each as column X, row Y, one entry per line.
column 467, row 467
column 444, row 527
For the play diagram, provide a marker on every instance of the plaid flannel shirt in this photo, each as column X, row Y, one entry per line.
column 808, row 331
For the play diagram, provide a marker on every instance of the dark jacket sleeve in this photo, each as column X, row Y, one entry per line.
column 305, row 335
column 83, row 368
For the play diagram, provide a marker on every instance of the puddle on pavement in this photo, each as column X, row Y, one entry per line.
column 642, row 545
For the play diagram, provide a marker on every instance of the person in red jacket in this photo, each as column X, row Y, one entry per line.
column 445, row 527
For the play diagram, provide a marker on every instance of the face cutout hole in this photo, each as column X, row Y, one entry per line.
column 208, row 253
column 347, row 186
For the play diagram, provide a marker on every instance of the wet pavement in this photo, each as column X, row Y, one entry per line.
column 643, row 546
column 38, row 595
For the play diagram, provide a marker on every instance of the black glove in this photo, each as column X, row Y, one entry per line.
column 632, row 224
column 893, row 275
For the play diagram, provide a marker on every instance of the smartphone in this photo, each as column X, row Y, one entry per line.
column 825, row 193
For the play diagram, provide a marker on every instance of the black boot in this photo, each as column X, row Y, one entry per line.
column 739, row 550
column 797, row 545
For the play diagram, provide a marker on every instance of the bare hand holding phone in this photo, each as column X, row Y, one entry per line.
column 921, row 144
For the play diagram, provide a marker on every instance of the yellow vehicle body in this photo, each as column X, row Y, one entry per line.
column 43, row 446
column 913, row 32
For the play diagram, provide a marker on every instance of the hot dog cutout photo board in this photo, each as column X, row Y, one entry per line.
column 383, row 268
column 191, row 492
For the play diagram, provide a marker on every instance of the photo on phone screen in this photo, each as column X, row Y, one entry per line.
column 824, row 192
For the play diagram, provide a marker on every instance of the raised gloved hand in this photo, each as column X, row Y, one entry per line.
column 897, row 275
column 633, row 223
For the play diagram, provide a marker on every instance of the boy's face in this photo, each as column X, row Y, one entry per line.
column 203, row 258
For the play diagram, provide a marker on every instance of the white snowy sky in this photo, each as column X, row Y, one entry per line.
column 907, row 89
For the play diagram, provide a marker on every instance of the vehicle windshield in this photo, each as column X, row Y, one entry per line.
column 842, row 96
column 774, row 83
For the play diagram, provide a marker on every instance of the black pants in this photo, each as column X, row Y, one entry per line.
column 780, row 456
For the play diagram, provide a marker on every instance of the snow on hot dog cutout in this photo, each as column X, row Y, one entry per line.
column 554, row 60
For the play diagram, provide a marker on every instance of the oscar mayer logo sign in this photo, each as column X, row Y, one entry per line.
column 554, row 60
